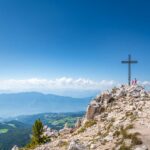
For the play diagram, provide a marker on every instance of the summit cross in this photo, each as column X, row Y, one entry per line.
column 129, row 62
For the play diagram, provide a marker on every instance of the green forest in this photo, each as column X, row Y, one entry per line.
column 18, row 131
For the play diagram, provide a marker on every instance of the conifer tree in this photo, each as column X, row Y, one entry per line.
column 37, row 135
column 37, row 132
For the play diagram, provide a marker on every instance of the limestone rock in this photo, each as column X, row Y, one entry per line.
column 65, row 130
column 15, row 148
column 90, row 112
column 50, row 132
column 75, row 145
column 93, row 146
column 66, row 126
column 109, row 137
column 78, row 123
column 143, row 147
column 111, row 119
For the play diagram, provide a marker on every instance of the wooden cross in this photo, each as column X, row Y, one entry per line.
column 129, row 62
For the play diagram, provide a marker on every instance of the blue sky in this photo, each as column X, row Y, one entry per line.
column 87, row 39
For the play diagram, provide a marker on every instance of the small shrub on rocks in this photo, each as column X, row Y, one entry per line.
column 89, row 123
column 82, row 129
column 130, row 126
column 124, row 147
column 117, row 133
column 63, row 144
column 135, row 139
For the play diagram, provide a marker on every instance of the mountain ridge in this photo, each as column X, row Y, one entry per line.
column 115, row 120
column 14, row 104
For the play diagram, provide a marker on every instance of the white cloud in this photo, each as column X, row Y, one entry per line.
column 46, row 85
column 145, row 83
column 61, row 86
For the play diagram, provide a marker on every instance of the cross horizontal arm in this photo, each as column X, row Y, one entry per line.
column 134, row 62
column 125, row 62
column 131, row 62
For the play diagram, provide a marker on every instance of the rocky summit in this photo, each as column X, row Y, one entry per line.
column 115, row 120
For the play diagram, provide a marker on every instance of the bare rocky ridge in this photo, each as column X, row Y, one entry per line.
column 115, row 120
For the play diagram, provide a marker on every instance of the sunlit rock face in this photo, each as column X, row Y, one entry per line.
column 101, row 102
column 116, row 119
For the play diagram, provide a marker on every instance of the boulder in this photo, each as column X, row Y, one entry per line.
column 98, row 98
column 143, row 93
column 91, row 110
column 93, row 146
column 143, row 147
column 109, row 137
column 135, row 91
column 120, row 93
column 65, row 131
column 15, row 147
column 50, row 132
column 78, row 123
column 75, row 145
column 106, row 95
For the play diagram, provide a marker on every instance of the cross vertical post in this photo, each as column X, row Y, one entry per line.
column 129, row 75
column 129, row 62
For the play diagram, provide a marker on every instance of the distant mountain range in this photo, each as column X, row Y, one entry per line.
column 32, row 103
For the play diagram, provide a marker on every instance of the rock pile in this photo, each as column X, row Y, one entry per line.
column 75, row 145
column 65, row 130
column 50, row 132
column 115, row 120
column 98, row 105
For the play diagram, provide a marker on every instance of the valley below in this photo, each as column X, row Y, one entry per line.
column 17, row 130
